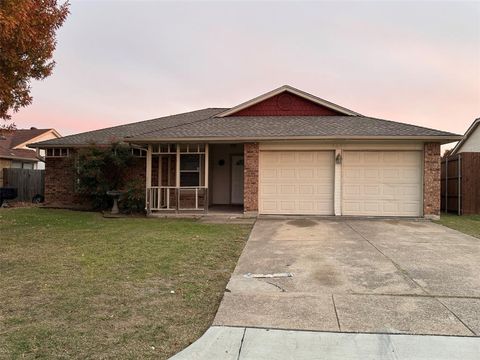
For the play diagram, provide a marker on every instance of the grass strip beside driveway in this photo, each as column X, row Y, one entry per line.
column 77, row 285
column 468, row 224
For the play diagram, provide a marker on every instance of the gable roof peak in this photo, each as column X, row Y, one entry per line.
column 467, row 134
column 291, row 90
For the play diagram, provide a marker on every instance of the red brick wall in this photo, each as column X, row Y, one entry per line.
column 60, row 180
column 431, row 180
column 250, row 178
column 286, row 104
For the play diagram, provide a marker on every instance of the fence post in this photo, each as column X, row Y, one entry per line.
column 459, row 185
column 446, row 184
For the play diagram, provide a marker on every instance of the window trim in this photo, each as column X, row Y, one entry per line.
column 57, row 152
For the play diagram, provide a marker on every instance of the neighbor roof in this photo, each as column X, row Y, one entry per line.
column 23, row 136
column 11, row 139
column 291, row 127
column 469, row 132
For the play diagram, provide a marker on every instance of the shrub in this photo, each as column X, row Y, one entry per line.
column 102, row 169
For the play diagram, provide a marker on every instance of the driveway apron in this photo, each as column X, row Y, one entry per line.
column 368, row 276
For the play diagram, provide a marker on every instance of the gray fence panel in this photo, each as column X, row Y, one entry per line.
column 28, row 182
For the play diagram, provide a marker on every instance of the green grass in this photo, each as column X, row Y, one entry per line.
column 77, row 285
column 468, row 224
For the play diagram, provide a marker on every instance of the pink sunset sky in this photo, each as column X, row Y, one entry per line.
column 127, row 61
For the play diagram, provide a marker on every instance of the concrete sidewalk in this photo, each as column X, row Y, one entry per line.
column 238, row 343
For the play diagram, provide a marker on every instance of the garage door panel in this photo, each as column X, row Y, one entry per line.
column 302, row 184
column 269, row 189
column 306, row 189
column 377, row 183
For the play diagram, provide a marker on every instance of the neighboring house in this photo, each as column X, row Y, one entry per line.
column 471, row 140
column 284, row 152
column 14, row 150
column 461, row 174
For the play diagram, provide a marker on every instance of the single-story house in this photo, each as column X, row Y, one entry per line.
column 284, row 152
column 14, row 150
column 460, row 174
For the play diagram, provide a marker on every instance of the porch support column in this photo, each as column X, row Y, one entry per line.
column 148, row 178
column 205, row 199
column 177, row 176
column 337, row 197
column 159, row 180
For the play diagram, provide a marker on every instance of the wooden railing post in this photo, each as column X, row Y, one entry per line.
column 148, row 179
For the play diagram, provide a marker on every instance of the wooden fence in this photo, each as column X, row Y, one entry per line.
column 28, row 182
column 460, row 190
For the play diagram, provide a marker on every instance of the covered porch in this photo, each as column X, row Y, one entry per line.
column 192, row 178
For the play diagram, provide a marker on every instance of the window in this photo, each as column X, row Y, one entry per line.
column 139, row 152
column 190, row 170
column 22, row 165
column 57, row 152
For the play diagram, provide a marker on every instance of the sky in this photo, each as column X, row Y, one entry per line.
column 124, row 61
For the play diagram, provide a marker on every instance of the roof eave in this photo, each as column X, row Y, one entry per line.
column 50, row 146
column 11, row 157
column 444, row 139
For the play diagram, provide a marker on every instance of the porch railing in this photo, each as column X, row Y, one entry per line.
column 171, row 198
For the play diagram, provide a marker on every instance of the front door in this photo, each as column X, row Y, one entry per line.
column 237, row 180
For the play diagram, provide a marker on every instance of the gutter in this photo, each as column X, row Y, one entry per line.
column 20, row 158
column 444, row 139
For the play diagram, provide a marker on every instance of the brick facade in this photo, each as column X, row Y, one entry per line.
column 60, row 177
column 431, row 180
column 250, row 178
column 286, row 104
column 60, row 182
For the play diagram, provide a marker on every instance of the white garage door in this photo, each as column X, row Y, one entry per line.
column 382, row 183
column 296, row 182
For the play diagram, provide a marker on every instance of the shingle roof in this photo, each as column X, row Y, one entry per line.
column 21, row 136
column 9, row 140
column 292, row 126
column 118, row 133
column 204, row 124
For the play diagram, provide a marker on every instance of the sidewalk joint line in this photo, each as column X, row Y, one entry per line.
column 336, row 313
column 464, row 324
column 405, row 274
column 241, row 343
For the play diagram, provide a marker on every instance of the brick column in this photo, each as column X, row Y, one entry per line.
column 431, row 181
column 250, row 178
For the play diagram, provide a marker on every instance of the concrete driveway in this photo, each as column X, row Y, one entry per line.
column 379, row 276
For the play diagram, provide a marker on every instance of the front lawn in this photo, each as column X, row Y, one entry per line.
column 468, row 224
column 77, row 285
